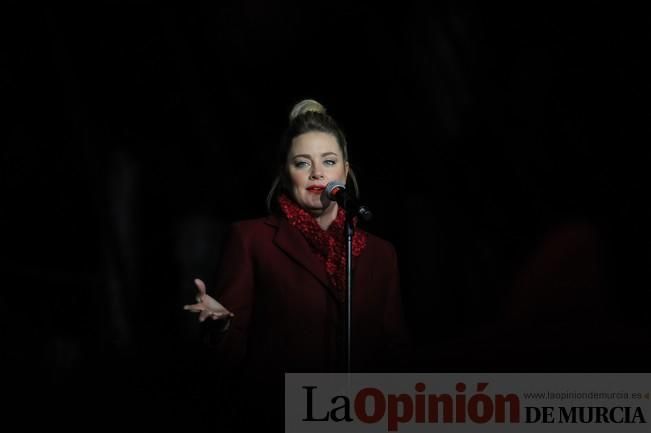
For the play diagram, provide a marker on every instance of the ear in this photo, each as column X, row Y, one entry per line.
column 347, row 169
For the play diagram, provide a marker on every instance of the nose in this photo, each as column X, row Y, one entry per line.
column 317, row 172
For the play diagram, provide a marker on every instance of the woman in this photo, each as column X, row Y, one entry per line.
column 282, row 280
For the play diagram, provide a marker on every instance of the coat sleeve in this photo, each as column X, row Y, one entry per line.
column 235, row 289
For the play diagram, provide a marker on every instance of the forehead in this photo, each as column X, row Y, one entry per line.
column 314, row 143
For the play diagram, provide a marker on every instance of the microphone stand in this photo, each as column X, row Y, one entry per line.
column 351, row 209
column 349, row 232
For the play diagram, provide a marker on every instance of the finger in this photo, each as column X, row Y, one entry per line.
column 204, row 315
column 201, row 286
column 195, row 308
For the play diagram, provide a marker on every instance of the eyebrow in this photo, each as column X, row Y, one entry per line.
column 303, row 155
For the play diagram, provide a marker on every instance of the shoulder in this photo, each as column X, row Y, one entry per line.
column 377, row 241
column 379, row 246
column 253, row 223
column 255, row 228
column 380, row 257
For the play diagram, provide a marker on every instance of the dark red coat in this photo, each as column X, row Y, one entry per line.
column 286, row 311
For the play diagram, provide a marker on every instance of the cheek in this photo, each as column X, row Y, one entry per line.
column 338, row 172
column 297, row 178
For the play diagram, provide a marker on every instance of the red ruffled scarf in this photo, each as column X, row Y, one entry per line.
column 329, row 243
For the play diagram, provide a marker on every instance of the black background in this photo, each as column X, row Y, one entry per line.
column 503, row 150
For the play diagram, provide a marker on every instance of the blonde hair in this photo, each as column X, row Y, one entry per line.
column 305, row 106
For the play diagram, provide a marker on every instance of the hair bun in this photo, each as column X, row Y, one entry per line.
column 305, row 106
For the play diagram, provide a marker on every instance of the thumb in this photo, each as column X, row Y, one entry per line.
column 201, row 286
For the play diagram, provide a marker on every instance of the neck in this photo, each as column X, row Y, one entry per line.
column 329, row 214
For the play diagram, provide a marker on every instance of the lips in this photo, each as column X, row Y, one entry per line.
column 315, row 189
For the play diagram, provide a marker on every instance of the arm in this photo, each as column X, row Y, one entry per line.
column 235, row 292
column 227, row 328
column 398, row 338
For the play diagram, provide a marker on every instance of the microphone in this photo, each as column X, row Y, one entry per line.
column 337, row 191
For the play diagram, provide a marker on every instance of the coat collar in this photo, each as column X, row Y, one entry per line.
column 292, row 242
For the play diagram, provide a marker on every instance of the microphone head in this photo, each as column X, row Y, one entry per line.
column 333, row 188
column 365, row 213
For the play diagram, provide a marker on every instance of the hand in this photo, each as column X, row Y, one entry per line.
column 206, row 305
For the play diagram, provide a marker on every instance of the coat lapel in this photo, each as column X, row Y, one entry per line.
column 292, row 242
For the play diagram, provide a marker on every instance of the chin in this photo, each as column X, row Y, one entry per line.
column 311, row 203
column 315, row 209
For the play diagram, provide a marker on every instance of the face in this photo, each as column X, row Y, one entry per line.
column 315, row 159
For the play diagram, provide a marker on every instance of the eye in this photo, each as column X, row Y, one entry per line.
column 330, row 162
column 301, row 164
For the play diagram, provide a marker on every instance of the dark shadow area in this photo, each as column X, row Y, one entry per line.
column 504, row 153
